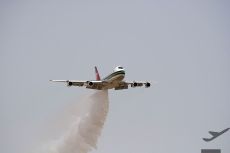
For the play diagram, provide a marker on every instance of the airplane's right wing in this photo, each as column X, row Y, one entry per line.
column 94, row 84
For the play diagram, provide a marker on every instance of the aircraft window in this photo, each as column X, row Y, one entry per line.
column 120, row 67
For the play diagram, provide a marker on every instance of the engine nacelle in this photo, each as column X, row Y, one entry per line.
column 134, row 84
column 90, row 83
column 69, row 83
column 147, row 85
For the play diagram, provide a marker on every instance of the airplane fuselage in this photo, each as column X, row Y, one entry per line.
column 117, row 75
column 114, row 78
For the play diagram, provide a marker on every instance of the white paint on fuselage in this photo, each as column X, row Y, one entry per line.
column 115, row 79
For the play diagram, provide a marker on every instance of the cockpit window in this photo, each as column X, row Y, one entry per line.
column 120, row 67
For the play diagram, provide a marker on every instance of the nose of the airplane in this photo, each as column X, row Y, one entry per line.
column 118, row 68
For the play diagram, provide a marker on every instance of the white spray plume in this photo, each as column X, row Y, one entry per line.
column 86, row 124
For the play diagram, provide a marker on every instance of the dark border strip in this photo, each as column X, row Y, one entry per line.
column 113, row 74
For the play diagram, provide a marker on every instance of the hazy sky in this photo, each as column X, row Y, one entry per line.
column 183, row 45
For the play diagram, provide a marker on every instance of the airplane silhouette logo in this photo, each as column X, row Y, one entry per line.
column 215, row 135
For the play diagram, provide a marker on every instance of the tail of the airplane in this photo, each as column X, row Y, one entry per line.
column 97, row 74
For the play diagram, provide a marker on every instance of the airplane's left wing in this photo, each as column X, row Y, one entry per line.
column 125, row 84
column 94, row 84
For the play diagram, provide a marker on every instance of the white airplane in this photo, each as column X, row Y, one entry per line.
column 114, row 80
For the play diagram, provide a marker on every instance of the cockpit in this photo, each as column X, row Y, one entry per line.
column 118, row 68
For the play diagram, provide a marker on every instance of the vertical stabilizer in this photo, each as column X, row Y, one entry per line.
column 97, row 74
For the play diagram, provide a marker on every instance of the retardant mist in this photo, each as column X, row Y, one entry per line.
column 85, row 122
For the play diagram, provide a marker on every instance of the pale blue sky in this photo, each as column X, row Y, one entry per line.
column 183, row 45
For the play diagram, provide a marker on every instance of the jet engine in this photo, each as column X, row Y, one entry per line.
column 147, row 85
column 69, row 83
column 135, row 84
column 90, row 83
